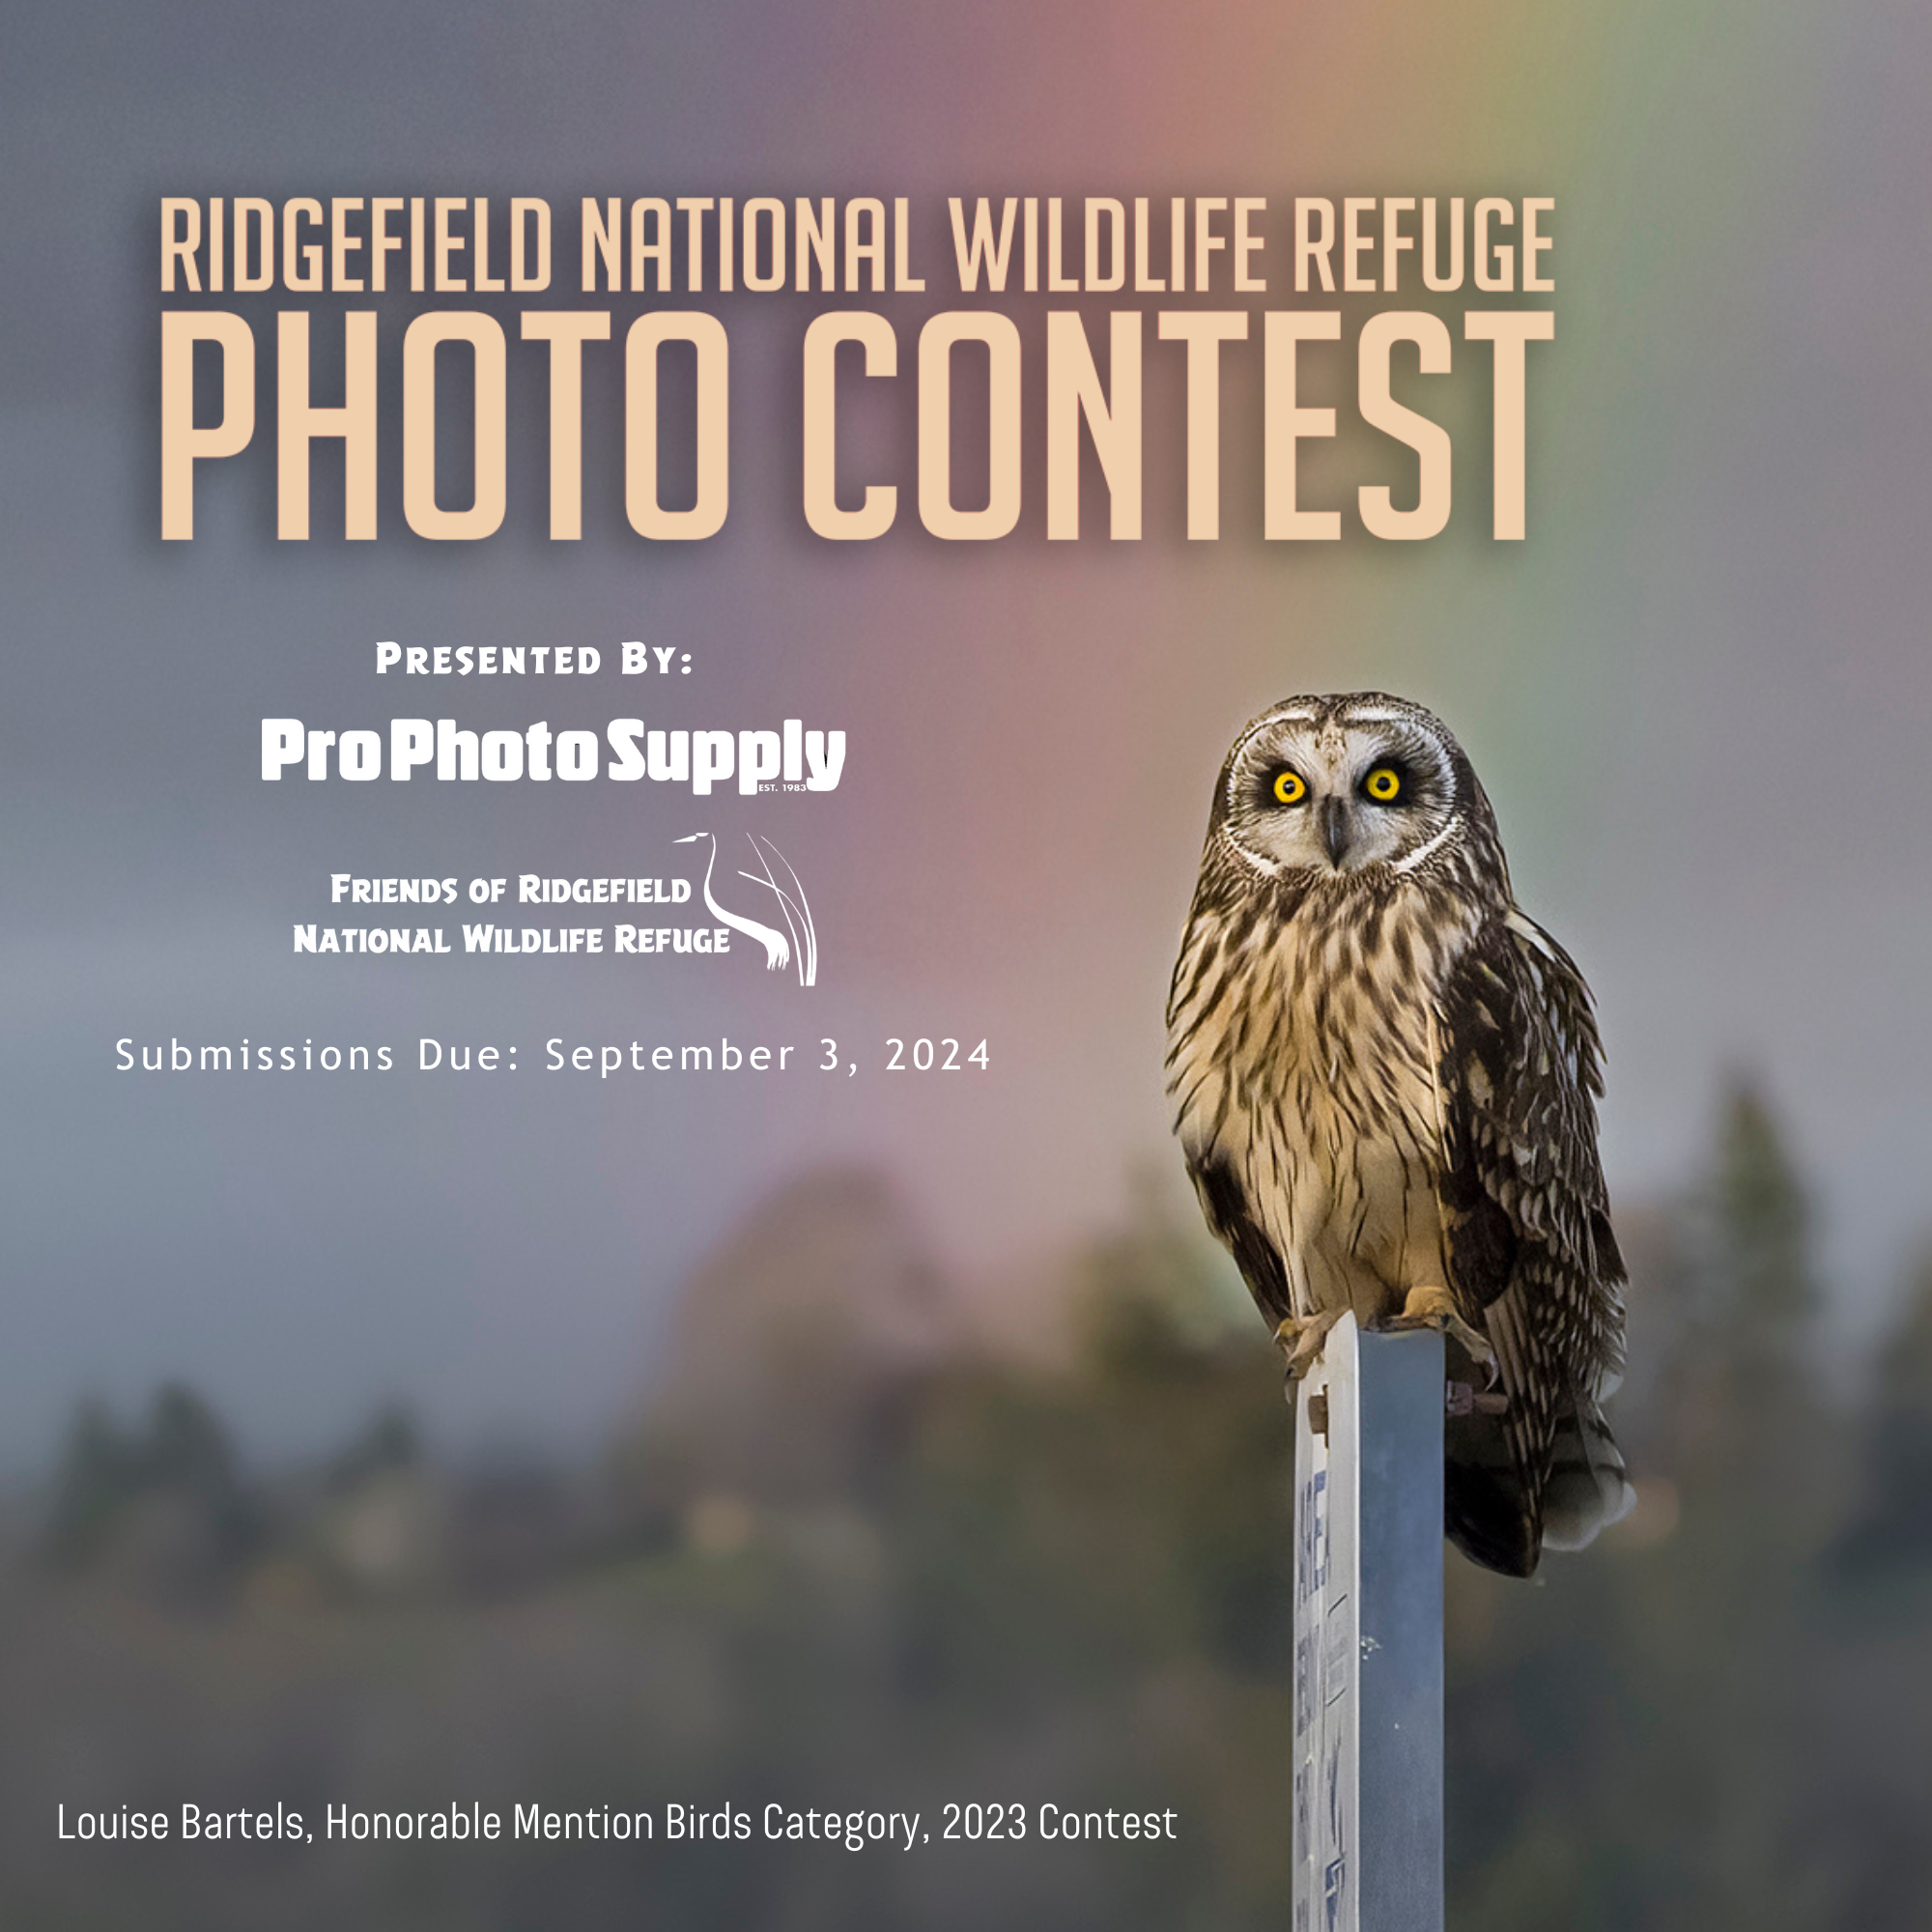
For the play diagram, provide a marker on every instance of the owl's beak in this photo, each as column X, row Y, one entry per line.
column 1336, row 828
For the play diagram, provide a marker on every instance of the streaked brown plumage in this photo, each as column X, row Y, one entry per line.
column 1383, row 1075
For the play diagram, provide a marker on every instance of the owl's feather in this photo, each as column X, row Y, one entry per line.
column 1532, row 1255
column 1384, row 1076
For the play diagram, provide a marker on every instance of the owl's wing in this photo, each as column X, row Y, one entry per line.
column 1520, row 1070
column 1534, row 1259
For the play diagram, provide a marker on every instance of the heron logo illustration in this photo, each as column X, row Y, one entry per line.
column 798, row 944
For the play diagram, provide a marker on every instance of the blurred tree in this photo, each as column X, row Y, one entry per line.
column 1731, row 1609
column 92, row 1480
column 186, row 1451
column 181, row 1464
column 1892, row 1528
column 1752, row 1353
column 390, row 1441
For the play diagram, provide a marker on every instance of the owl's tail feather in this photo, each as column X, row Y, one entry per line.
column 1491, row 1492
column 1588, row 1488
column 1488, row 1511
column 1502, row 1518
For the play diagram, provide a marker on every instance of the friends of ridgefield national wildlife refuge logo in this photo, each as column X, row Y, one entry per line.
column 797, row 945
column 787, row 936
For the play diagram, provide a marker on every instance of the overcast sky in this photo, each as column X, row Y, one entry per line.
column 1699, row 693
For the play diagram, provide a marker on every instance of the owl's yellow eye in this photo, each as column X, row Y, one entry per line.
column 1383, row 784
column 1289, row 788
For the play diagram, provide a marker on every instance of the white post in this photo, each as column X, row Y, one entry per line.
column 1368, row 1635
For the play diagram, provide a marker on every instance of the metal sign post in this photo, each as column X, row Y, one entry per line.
column 1368, row 1635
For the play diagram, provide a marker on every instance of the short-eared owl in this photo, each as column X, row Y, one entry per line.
column 1384, row 1074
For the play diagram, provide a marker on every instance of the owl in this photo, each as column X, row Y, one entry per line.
column 1383, row 1075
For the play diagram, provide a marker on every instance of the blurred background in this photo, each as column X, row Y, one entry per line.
column 847, row 1552
column 899, row 1439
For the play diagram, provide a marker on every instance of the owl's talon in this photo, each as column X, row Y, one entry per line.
column 1434, row 1308
column 1299, row 1338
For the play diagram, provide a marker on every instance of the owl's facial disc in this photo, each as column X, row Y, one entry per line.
column 1337, row 797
